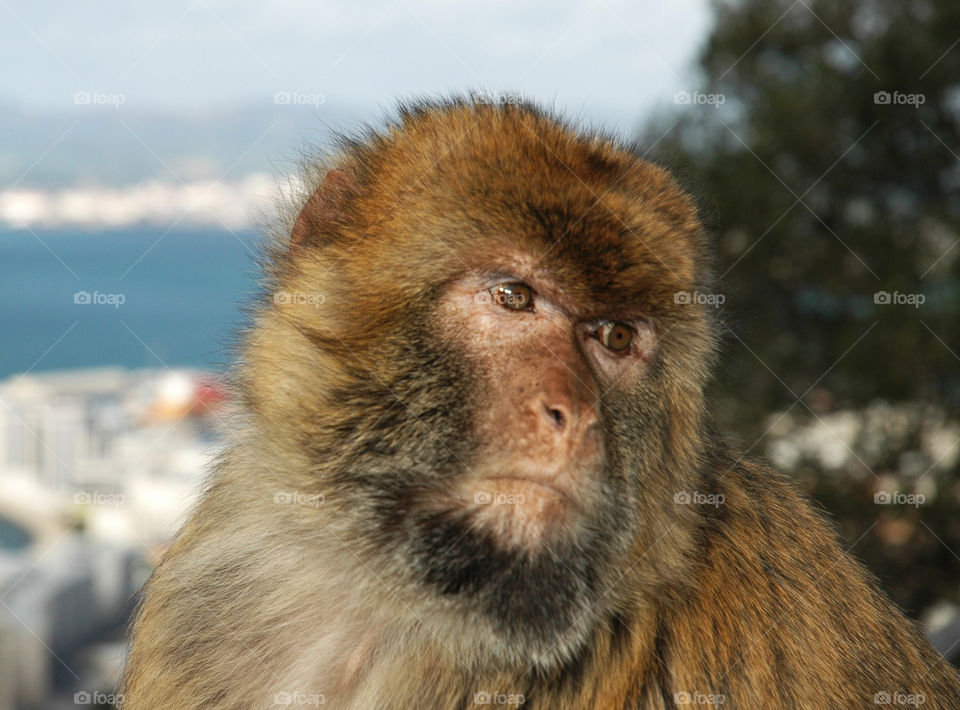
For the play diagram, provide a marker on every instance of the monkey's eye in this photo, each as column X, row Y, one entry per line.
column 615, row 336
column 515, row 296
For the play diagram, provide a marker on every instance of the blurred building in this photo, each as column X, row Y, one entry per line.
column 54, row 604
column 97, row 469
column 122, row 450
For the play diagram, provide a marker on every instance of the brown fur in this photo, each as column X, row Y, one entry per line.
column 365, row 400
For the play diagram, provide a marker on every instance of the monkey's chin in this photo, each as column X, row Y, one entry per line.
column 521, row 511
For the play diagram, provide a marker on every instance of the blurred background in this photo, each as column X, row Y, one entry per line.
column 142, row 146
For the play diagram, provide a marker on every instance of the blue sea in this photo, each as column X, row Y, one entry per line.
column 135, row 297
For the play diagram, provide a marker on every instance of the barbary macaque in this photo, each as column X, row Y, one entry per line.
column 473, row 463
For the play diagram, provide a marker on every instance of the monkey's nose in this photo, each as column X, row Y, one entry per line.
column 565, row 417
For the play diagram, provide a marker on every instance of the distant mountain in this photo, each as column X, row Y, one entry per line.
column 116, row 145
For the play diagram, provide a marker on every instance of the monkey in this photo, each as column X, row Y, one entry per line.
column 472, row 460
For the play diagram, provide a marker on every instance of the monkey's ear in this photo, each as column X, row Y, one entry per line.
column 323, row 208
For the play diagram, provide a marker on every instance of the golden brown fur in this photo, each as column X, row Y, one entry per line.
column 366, row 402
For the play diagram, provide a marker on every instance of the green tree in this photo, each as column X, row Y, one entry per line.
column 824, row 139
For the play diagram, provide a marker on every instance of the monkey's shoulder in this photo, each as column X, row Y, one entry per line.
column 776, row 593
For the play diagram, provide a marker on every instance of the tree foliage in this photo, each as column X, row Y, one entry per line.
column 825, row 138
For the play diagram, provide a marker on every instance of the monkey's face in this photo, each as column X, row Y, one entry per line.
column 539, row 476
column 518, row 498
column 512, row 490
column 501, row 468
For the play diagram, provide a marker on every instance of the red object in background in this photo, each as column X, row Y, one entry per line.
column 209, row 395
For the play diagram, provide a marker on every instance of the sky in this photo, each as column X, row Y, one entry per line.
column 612, row 60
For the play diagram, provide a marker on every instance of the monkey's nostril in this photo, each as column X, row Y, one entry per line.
column 557, row 415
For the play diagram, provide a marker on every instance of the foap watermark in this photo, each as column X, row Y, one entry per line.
column 698, row 698
column 485, row 698
column 298, row 697
column 85, row 298
column 298, row 98
column 698, row 498
column 885, row 298
column 501, row 298
column 697, row 98
column 485, row 498
column 898, row 98
column 98, row 498
column 312, row 500
column 98, row 98
column 299, row 298
column 898, row 698
column 512, row 98
column 87, row 697
column 686, row 298
column 898, row 498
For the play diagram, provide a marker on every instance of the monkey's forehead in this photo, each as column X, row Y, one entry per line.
column 467, row 186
